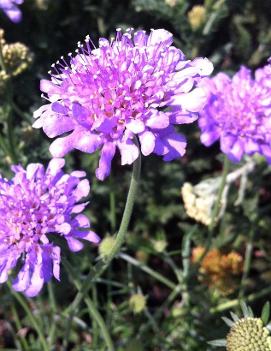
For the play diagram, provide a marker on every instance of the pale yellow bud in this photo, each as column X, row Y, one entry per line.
column 105, row 246
column 171, row 3
column 137, row 303
column 197, row 16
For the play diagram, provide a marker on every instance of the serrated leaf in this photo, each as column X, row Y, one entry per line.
column 265, row 313
column 218, row 343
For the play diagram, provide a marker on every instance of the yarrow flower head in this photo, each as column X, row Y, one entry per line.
column 34, row 203
column 134, row 86
column 238, row 113
column 11, row 9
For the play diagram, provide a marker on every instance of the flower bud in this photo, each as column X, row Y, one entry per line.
column 105, row 246
column 137, row 303
column 197, row 16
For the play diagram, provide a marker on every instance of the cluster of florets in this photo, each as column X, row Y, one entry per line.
column 238, row 113
column 218, row 270
column 134, row 87
column 249, row 334
column 11, row 9
column 16, row 58
column 34, row 203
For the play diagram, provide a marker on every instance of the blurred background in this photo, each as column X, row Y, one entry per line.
column 143, row 310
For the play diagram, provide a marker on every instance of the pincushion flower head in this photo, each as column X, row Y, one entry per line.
column 34, row 203
column 238, row 113
column 136, row 86
column 247, row 333
column 11, row 9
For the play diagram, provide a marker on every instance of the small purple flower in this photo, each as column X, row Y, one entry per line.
column 133, row 86
column 34, row 203
column 238, row 113
column 11, row 9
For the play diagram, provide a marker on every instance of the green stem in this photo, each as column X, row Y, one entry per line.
column 95, row 325
column 52, row 332
column 68, row 326
column 215, row 212
column 233, row 303
column 119, row 240
column 19, row 327
column 120, row 237
column 2, row 61
column 186, row 252
column 32, row 319
column 112, row 202
column 247, row 263
column 93, row 311
column 148, row 270
column 97, row 271
column 160, row 311
column 99, row 320
column 186, row 258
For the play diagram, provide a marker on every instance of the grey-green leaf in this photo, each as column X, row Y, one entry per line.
column 265, row 312
column 219, row 343
column 229, row 322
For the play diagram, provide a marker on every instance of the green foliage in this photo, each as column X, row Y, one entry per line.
column 182, row 312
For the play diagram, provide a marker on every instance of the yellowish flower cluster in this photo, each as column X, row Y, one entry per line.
column 15, row 58
column 219, row 270
column 137, row 303
column 197, row 16
column 248, row 334
column 42, row 4
column 171, row 3
column 197, row 207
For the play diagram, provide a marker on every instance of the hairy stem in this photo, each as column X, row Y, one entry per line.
column 120, row 237
column 97, row 271
column 93, row 311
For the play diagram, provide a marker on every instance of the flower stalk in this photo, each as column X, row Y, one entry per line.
column 32, row 319
column 98, row 270
column 120, row 237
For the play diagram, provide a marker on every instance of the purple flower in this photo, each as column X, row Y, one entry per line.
column 35, row 203
column 11, row 9
column 238, row 113
column 135, row 85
